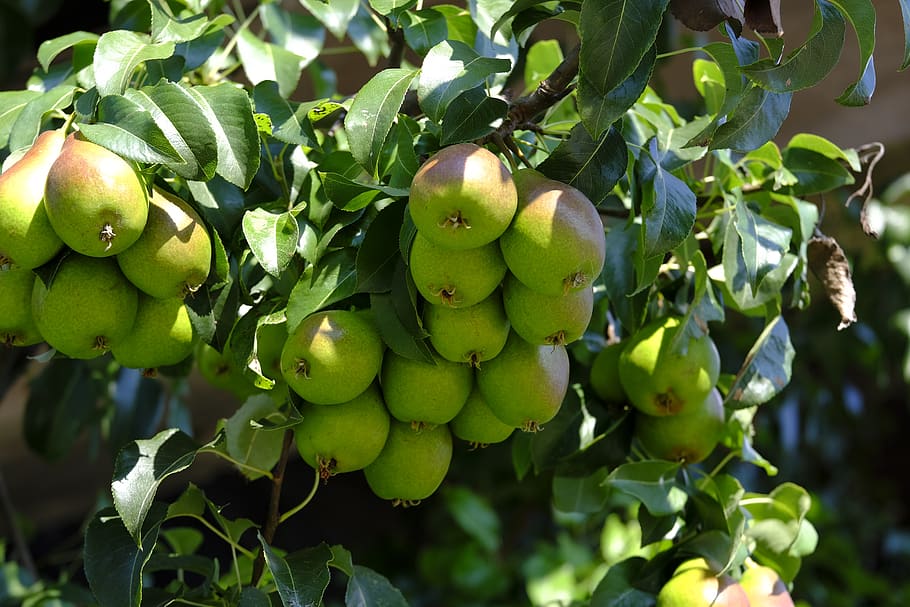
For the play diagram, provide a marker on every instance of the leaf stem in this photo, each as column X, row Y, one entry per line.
column 720, row 466
column 239, row 464
column 272, row 518
column 305, row 501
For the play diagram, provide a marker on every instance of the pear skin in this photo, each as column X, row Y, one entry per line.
column 688, row 437
column 27, row 239
column 412, row 464
column 700, row 587
column 162, row 334
column 95, row 199
column 765, row 588
column 17, row 327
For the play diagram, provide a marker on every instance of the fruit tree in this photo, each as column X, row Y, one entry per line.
column 507, row 257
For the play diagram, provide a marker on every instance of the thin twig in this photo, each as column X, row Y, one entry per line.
column 271, row 521
column 396, row 44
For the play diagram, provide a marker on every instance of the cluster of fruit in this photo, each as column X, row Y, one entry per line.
column 505, row 265
column 670, row 378
column 113, row 262
column 696, row 583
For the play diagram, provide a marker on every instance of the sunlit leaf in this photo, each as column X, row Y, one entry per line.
column 49, row 49
column 767, row 368
column 272, row 238
column 652, row 482
column 301, row 577
column 591, row 166
column 119, row 53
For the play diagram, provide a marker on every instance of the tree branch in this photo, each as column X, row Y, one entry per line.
column 272, row 517
column 396, row 44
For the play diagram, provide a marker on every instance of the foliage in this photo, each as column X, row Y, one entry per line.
column 705, row 216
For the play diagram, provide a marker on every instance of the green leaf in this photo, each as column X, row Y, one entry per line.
column 449, row 69
column 129, row 130
column 31, row 118
column 653, row 482
column 11, row 105
column 754, row 121
column 367, row 588
column 619, row 275
column 767, row 368
column 861, row 15
column 811, row 62
column 114, row 562
column 265, row 61
column 475, row 515
column 49, row 49
column 395, row 332
column 378, row 254
column 581, row 494
column 391, row 7
column 667, row 207
column 141, row 467
column 290, row 121
column 599, row 109
column 252, row 446
column 166, row 28
column 424, row 29
column 615, row 37
column 617, row 588
column 592, row 167
column 779, row 525
column 119, row 53
column 334, row 15
column 272, row 238
column 301, row 577
column 299, row 33
column 814, row 172
column 334, row 278
column 471, row 116
column 350, row 195
column 373, row 110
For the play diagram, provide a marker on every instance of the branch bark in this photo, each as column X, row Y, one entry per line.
column 273, row 515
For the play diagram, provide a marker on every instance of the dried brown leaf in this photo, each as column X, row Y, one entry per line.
column 829, row 264
column 702, row 15
column 763, row 16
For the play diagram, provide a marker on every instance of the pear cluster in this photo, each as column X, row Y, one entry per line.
column 699, row 583
column 90, row 262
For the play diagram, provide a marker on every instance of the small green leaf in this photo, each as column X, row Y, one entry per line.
column 667, row 207
column 475, row 516
column 349, row 195
column 255, row 448
column 861, row 15
column 31, row 118
column 814, row 172
column 141, row 467
column 334, row 15
column 299, row 33
column 11, row 105
column 582, row 494
column 424, row 29
column 265, row 61
column 754, row 121
column 373, row 111
column 166, row 28
column 593, row 167
column 367, row 588
column 49, row 49
column 653, row 482
column 395, row 332
column 334, row 278
column 471, row 116
column 272, row 238
column 301, row 577
column 600, row 109
column 119, row 53
column 290, row 121
column 766, row 370
column 378, row 254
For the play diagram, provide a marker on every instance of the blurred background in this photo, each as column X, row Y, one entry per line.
column 840, row 429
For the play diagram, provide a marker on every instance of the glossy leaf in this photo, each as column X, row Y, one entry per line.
column 129, row 130
column 298, row 33
column 11, row 105
column 31, row 117
column 367, row 588
column 471, row 116
column 652, row 482
column 335, row 15
column 301, row 577
column 119, row 53
column 617, row 588
column 754, row 121
column 424, row 29
column 394, row 330
column 766, row 369
column 599, row 110
column 591, row 166
column 373, row 110
column 379, row 254
column 49, row 49
column 267, row 61
column 475, row 515
column 619, row 276
column 254, row 448
column 332, row 279
column 165, row 28
column 667, row 208
column 861, row 15
column 272, row 238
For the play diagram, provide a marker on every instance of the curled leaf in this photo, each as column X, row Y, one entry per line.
column 829, row 264
column 763, row 16
column 703, row 15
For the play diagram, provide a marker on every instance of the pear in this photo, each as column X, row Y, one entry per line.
column 556, row 242
column 343, row 437
column 221, row 370
column 687, row 437
column 162, row 334
column 696, row 586
column 423, row 393
column 541, row 319
column 525, row 385
column 17, row 327
column 463, row 197
column 468, row 335
column 604, row 375
column 27, row 238
column 663, row 375
column 456, row 278
column 477, row 424
column 95, row 199
column 764, row 587
column 87, row 308
column 412, row 463
column 173, row 255
column 332, row 356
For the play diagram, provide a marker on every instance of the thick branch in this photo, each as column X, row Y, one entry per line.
column 272, row 517
column 548, row 93
column 396, row 45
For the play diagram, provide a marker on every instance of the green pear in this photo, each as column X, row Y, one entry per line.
column 87, row 308
column 463, row 197
column 663, row 375
column 17, row 327
column 173, row 255
column 270, row 340
column 764, row 587
column 554, row 320
column 556, row 242
column 343, row 437
column 687, row 437
column 700, row 587
column 221, row 370
column 95, row 199
column 456, row 278
column 412, row 464
column 477, row 424
column 423, row 393
column 604, row 375
column 468, row 335
column 525, row 385
column 332, row 356
column 162, row 334
column 27, row 238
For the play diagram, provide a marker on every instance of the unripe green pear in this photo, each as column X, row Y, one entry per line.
column 556, row 242
column 332, row 356
column 88, row 308
column 687, row 437
column 27, row 238
column 764, row 587
column 17, row 327
column 477, row 424
column 343, row 437
column 468, row 335
column 700, row 587
column 95, row 199
column 173, row 255
column 525, row 385
column 162, row 334
column 456, row 278
column 554, row 320
column 663, row 375
column 412, row 464
column 270, row 340
column 463, row 197
column 222, row 371
column 604, row 377
column 422, row 393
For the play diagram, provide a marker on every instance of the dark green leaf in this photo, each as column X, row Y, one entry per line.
column 11, row 105
column 619, row 275
column 654, row 528
column 754, row 121
column 213, row 310
column 129, row 130
column 31, row 118
column 766, row 370
column 470, row 116
column 373, row 111
column 141, row 467
column 332, row 279
column 617, row 588
column 370, row 40
column 266, row 61
column 399, row 160
column 272, row 238
column 350, row 195
column 49, row 49
column 290, row 121
column 814, row 172
column 395, row 332
column 114, row 560
column 379, row 253
column 301, row 577
column 366, row 588
column 334, row 15
column 593, row 167
column 599, row 110
column 341, row 560
column 810, row 63
column 424, row 29
column 653, row 482
column 475, row 515
column 861, row 15
column 449, row 69
column 119, row 53
column 582, row 494
column 667, row 207
column 254, row 448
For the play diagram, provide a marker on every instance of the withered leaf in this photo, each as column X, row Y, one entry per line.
column 702, row 15
column 829, row 264
column 763, row 16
